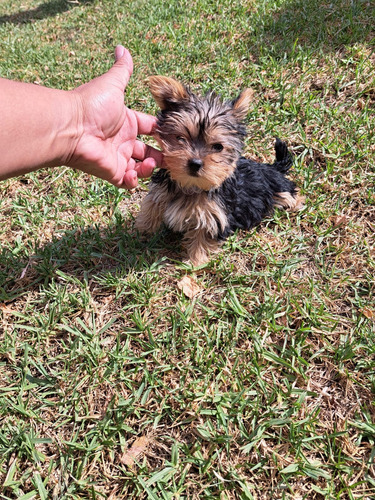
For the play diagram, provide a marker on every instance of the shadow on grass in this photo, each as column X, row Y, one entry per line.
column 314, row 24
column 84, row 253
column 47, row 9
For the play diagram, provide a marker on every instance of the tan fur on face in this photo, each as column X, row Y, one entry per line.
column 178, row 149
column 212, row 174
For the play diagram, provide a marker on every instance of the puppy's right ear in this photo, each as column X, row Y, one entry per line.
column 167, row 92
column 242, row 103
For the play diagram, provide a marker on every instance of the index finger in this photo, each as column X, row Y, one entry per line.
column 146, row 123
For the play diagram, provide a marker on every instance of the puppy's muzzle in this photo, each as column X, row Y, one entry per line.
column 194, row 165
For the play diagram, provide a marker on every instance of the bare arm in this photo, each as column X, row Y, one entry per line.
column 38, row 127
column 88, row 128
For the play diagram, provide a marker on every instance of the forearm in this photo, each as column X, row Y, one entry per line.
column 39, row 127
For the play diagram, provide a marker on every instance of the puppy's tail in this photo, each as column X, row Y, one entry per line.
column 284, row 159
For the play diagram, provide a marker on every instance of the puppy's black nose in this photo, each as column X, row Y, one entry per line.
column 194, row 164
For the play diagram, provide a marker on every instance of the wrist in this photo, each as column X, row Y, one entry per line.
column 69, row 129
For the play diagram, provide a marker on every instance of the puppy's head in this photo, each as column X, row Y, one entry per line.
column 201, row 137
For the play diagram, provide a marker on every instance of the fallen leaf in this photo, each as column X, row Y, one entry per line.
column 340, row 220
column 367, row 312
column 189, row 287
column 135, row 451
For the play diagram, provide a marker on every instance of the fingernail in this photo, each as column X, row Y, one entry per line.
column 119, row 52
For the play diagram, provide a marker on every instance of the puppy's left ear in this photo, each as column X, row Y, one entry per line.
column 242, row 103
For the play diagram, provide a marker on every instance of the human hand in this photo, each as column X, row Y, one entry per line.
column 107, row 146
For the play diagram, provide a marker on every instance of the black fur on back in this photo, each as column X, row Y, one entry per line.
column 248, row 195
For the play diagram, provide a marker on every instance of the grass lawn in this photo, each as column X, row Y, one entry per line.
column 114, row 383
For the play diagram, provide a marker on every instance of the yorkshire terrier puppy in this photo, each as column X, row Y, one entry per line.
column 206, row 189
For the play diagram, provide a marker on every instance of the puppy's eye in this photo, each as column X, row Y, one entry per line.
column 181, row 139
column 217, row 147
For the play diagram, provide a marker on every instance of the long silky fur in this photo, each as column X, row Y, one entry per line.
column 227, row 191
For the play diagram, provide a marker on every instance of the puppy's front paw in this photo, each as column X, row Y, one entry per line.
column 199, row 259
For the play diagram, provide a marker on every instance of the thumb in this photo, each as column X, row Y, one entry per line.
column 123, row 67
